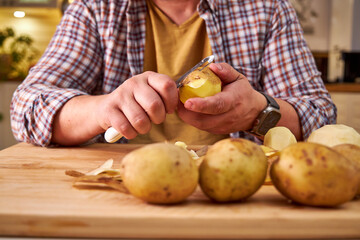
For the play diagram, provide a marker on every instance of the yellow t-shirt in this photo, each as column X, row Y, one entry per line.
column 173, row 49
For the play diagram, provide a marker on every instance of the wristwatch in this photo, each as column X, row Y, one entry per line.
column 268, row 118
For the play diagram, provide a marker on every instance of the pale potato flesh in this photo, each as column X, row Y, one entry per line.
column 279, row 138
column 335, row 134
column 202, row 84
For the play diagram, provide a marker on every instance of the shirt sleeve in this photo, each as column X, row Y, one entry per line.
column 290, row 72
column 70, row 67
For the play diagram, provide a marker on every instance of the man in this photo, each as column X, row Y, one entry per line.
column 114, row 62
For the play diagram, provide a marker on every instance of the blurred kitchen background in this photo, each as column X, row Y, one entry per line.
column 331, row 27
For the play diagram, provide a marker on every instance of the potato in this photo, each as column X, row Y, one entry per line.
column 331, row 135
column 160, row 173
column 202, row 83
column 232, row 170
column 279, row 138
column 315, row 175
column 351, row 152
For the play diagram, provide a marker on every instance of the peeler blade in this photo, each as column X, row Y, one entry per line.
column 205, row 61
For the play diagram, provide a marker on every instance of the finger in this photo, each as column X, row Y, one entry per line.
column 217, row 104
column 221, row 102
column 167, row 90
column 136, row 115
column 210, row 123
column 225, row 72
column 122, row 125
column 151, row 102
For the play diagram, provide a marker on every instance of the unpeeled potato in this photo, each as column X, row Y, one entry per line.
column 232, row 170
column 351, row 152
column 198, row 83
column 160, row 173
column 315, row 175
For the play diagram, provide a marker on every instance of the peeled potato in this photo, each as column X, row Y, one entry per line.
column 202, row 83
column 331, row 135
column 279, row 138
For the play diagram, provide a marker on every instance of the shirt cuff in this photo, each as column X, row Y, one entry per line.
column 33, row 116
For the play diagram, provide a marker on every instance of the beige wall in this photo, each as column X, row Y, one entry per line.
column 348, row 108
column 318, row 40
column 39, row 23
column 6, row 137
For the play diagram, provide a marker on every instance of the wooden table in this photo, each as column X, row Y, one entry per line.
column 38, row 199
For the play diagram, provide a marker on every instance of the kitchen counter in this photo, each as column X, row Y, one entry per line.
column 343, row 87
column 37, row 199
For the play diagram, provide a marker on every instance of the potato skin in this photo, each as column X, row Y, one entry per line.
column 160, row 173
column 315, row 175
column 351, row 152
column 232, row 170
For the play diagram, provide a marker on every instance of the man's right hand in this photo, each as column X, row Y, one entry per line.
column 130, row 109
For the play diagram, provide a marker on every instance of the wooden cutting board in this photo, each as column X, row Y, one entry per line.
column 38, row 199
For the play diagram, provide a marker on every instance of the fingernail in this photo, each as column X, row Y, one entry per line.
column 219, row 66
column 188, row 105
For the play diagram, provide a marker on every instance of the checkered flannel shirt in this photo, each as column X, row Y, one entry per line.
column 100, row 44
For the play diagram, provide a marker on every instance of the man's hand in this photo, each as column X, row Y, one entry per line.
column 233, row 109
column 130, row 109
column 138, row 102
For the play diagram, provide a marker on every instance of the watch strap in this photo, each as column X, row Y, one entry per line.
column 267, row 118
column 271, row 101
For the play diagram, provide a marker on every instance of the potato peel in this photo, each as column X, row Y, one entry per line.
column 105, row 166
column 271, row 155
column 104, row 175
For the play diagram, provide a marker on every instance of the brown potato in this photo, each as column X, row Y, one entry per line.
column 351, row 152
column 315, row 175
column 160, row 173
column 232, row 170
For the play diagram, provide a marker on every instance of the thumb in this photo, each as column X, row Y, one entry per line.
column 225, row 72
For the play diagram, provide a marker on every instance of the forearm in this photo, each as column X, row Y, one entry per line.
column 76, row 122
column 290, row 118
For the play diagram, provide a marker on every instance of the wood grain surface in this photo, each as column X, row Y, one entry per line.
column 37, row 199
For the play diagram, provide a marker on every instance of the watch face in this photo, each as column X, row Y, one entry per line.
column 270, row 121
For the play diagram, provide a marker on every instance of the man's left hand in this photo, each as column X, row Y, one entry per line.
column 234, row 109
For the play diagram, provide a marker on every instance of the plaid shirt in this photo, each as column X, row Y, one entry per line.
column 100, row 44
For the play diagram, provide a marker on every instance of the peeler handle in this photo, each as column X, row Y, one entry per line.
column 111, row 135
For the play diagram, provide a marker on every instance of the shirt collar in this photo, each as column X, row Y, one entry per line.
column 211, row 3
column 207, row 6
